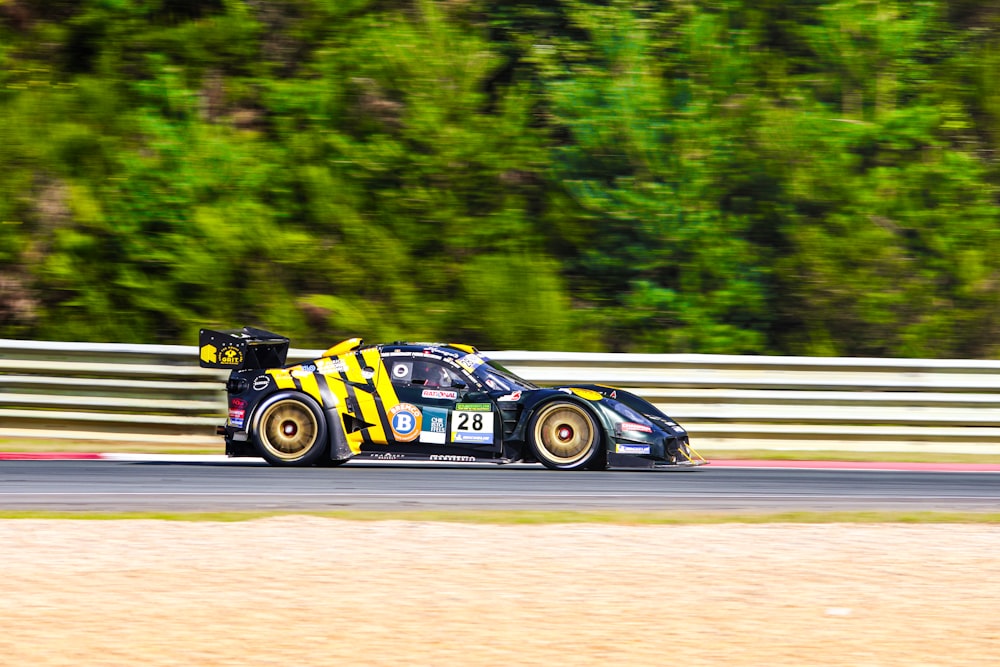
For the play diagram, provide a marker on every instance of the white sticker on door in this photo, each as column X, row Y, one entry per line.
column 472, row 425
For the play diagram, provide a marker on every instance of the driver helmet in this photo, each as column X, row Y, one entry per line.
column 433, row 375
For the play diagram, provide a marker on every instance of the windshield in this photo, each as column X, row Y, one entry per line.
column 499, row 378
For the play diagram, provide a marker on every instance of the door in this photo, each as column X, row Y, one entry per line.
column 433, row 413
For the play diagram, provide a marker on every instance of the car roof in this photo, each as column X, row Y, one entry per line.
column 441, row 349
column 444, row 349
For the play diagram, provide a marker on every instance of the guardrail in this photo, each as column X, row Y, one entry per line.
column 158, row 393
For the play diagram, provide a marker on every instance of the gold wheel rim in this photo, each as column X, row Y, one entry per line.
column 289, row 430
column 565, row 434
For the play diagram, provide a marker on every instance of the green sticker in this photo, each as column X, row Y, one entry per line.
column 474, row 407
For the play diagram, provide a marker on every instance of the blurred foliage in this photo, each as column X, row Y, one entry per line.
column 720, row 176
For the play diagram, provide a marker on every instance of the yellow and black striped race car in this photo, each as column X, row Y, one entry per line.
column 425, row 401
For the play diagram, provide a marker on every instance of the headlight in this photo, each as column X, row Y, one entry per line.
column 631, row 415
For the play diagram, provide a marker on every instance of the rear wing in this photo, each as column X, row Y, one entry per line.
column 239, row 349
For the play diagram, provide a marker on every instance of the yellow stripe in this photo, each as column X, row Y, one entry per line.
column 310, row 386
column 366, row 403
column 383, row 384
column 339, row 390
column 588, row 394
column 353, row 369
column 366, row 400
column 282, row 378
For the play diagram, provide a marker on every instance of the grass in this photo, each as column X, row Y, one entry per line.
column 533, row 517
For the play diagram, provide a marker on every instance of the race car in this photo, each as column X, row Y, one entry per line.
column 425, row 401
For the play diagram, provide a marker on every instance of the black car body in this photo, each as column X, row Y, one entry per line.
column 429, row 401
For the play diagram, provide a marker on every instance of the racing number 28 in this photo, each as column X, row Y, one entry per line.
column 472, row 427
column 464, row 425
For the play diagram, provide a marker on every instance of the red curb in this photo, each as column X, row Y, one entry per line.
column 859, row 465
column 48, row 456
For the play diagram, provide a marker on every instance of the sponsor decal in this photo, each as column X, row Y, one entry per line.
column 386, row 456
column 261, row 382
column 677, row 429
column 474, row 438
column 230, row 355
column 304, row 370
column 439, row 393
column 474, row 407
column 471, row 362
column 237, row 412
column 435, row 426
column 588, row 394
column 402, row 370
column 328, row 366
column 614, row 393
column 631, row 426
column 632, row 449
column 453, row 457
column 404, row 420
column 475, row 426
column 515, row 396
column 209, row 354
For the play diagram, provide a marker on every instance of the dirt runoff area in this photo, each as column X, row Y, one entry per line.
column 302, row 590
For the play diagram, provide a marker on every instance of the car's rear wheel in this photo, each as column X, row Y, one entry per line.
column 291, row 431
column 565, row 436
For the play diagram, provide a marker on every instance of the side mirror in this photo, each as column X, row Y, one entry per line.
column 458, row 384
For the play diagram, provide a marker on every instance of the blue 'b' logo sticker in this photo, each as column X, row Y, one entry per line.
column 403, row 423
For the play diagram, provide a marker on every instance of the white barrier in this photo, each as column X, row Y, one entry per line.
column 157, row 393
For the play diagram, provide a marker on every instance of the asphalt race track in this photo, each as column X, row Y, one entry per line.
column 210, row 484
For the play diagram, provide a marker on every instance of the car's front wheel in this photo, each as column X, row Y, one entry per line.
column 565, row 436
column 291, row 431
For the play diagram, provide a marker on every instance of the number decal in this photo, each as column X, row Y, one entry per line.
column 472, row 423
column 477, row 422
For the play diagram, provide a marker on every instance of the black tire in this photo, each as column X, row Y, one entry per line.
column 291, row 431
column 565, row 436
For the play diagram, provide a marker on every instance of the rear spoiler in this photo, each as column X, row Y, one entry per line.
column 240, row 349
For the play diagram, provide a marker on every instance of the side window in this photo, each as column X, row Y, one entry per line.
column 423, row 372
column 431, row 374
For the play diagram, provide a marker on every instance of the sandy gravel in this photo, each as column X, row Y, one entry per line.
column 313, row 591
